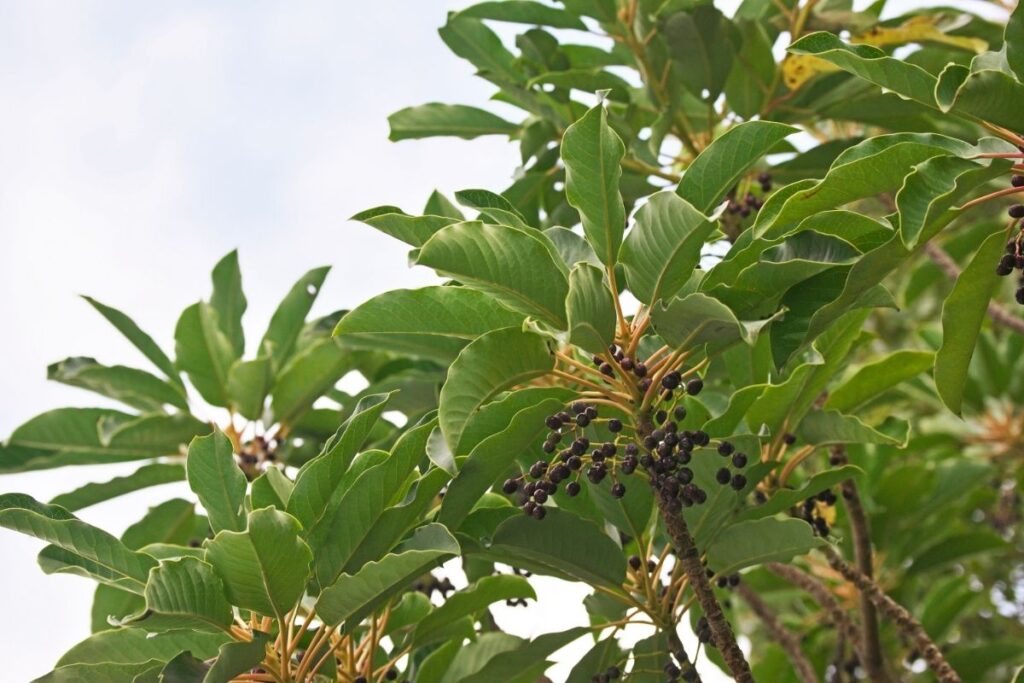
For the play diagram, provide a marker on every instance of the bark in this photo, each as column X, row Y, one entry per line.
column 903, row 619
column 789, row 642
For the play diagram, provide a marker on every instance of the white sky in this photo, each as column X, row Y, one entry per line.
column 139, row 142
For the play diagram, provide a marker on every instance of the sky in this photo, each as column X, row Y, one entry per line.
column 139, row 142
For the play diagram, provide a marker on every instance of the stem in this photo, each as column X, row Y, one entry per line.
column 992, row 195
column 873, row 662
column 721, row 631
column 786, row 639
column 821, row 595
column 675, row 646
column 903, row 619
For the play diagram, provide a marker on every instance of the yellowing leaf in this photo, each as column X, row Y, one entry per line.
column 798, row 69
column 921, row 29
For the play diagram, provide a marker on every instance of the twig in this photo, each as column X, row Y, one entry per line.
column 903, row 619
column 783, row 636
column 873, row 662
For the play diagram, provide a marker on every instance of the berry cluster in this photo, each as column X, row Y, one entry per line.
column 687, row 673
column 1013, row 259
column 750, row 203
column 610, row 674
column 432, row 583
column 255, row 455
column 815, row 509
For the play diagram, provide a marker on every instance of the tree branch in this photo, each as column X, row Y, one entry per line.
column 783, row 636
column 903, row 619
column 873, row 662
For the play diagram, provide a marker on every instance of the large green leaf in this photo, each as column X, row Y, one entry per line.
column 494, row 208
column 663, row 247
column 319, row 478
column 695, row 320
column 432, row 322
column 414, row 230
column 100, row 673
column 470, row 39
column 604, row 653
column 271, row 489
column 457, row 120
column 962, row 316
column 353, row 595
column 171, row 521
column 492, row 457
column 353, row 511
column 494, row 362
column 750, row 81
column 877, row 377
column 985, row 94
column 509, row 665
column 591, row 309
column 591, row 152
column 131, row 386
column 204, row 352
column 754, row 542
column 217, row 481
column 822, row 427
column 237, row 657
column 700, row 41
column 469, row 601
column 185, row 594
column 785, row 498
column 715, row 170
column 144, row 477
column 229, row 300
column 289, row 317
column 139, row 339
column 108, row 557
column 308, row 376
column 524, row 12
column 519, row 268
column 264, row 568
column 132, row 645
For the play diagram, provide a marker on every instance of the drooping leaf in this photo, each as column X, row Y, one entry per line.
column 985, row 94
column 131, row 386
column 249, row 381
column 237, row 657
column 516, row 267
column 307, row 377
column 524, row 12
column 204, row 352
column 139, row 339
column 432, row 322
column 185, row 594
column 144, row 477
column 414, row 230
column 469, row 601
column 591, row 309
column 494, row 362
column 663, row 247
column 822, row 427
column 132, row 645
column 264, row 568
column 271, row 489
column 591, row 152
column 878, row 376
column 436, row 119
column 697, row 319
column 508, row 665
column 962, row 316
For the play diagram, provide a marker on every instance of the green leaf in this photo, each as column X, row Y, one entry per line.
column 432, row 322
column 98, row 673
column 139, row 339
column 133, row 646
column 352, row 596
column 985, row 94
column 286, row 323
column 318, row 478
column 185, row 594
column 172, row 521
column 133, row 387
column 663, row 248
column 516, row 267
column 237, row 657
column 112, row 604
column 591, row 309
column 264, row 568
column 480, row 46
column 753, row 71
column 457, row 120
column 572, row 247
column 509, row 665
column 205, row 353
column 491, row 457
column 120, row 566
column 353, row 510
column 472, row 657
column 439, row 205
column 310, row 374
column 962, row 316
column 184, row 668
column 469, row 601
column 754, row 542
column 821, row 427
column 592, row 152
column 494, row 362
column 783, row 499
column 414, row 230
column 603, row 654
column 271, row 489
column 249, row 381
column 722, row 163
column 696, row 319
column 872, row 64
column 524, row 12
column 144, row 477
column 700, row 42
column 876, row 377
column 493, row 208
column 649, row 657
column 592, row 557
column 229, row 300
column 218, row 482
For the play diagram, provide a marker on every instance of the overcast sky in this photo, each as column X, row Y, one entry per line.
column 139, row 142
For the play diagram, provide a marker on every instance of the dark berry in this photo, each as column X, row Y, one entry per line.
column 671, row 380
column 539, row 512
column 635, row 562
column 549, row 447
column 582, row 420
column 660, row 416
column 608, row 449
column 679, row 413
column 640, row 370
column 575, row 462
column 391, row 674
column 694, row 386
column 701, row 438
column 626, row 364
column 1006, row 265
column 579, row 446
column 607, row 370
column 614, row 426
column 738, row 482
column 725, row 449
column 739, row 460
column 1020, row 296
column 540, row 496
column 596, row 473
column 628, row 465
column 590, row 412
column 613, row 672
column 572, row 489
column 553, row 422
column 579, row 407
column 618, row 490
column 684, row 475
column 722, row 476
column 790, row 439
column 510, row 486
column 1016, row 211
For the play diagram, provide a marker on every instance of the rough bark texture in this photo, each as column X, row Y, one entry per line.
column 821, row 595
column 903, row 619
column 873, row 662
column 721, row 631
column 786, row 639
